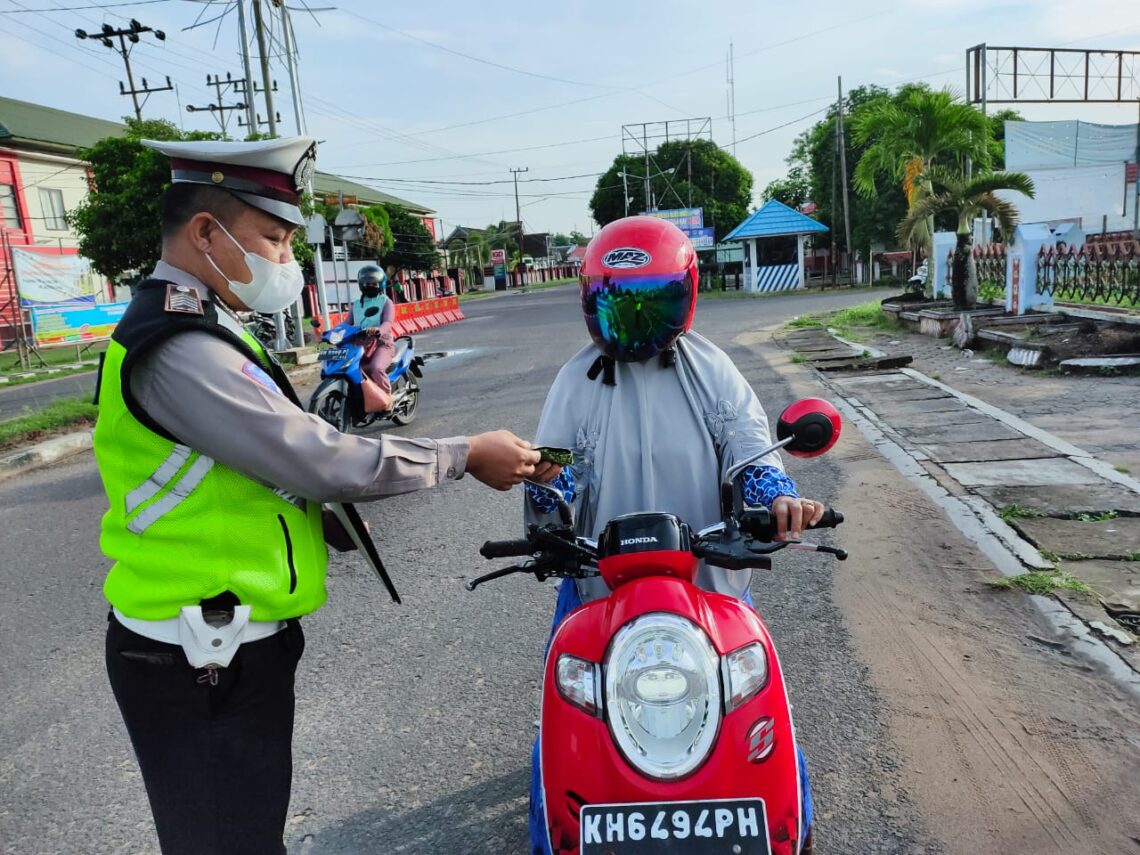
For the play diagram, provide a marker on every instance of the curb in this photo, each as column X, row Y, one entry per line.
column 977, row 525
column 44, row 453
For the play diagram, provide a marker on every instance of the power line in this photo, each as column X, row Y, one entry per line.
column 478, row 59
column 81, row 8
column 483, row 153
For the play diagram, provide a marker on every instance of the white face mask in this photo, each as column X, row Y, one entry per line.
column 274, row 286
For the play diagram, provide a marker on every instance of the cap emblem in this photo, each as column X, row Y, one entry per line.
column 217, row 178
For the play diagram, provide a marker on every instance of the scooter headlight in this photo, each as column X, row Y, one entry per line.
column 336, row 337
column 663, row 694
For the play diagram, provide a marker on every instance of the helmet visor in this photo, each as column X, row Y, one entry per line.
column 631, row 317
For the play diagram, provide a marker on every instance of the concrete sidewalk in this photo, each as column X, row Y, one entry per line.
column 1055, row 505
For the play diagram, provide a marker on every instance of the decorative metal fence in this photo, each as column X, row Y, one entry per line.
column 990, row 263
column 1100, row 274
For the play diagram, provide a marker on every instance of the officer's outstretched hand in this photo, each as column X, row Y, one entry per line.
column 500, row 459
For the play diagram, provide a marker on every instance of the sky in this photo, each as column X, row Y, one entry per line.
column 436, row 101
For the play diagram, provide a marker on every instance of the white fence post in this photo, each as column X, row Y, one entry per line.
column 937, row 270
column 1022, row 283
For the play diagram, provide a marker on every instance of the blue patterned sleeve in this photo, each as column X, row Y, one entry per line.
column 544, row 500
column 764, row 484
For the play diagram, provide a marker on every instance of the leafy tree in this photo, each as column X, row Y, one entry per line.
column 793, row 191
column 683, row 173
column 575, row 238
column 120, row 222
column 908, row 135
column 814, row 158
column 965, row 199
column 377, row 229
column 997, row 135
column 413, row 246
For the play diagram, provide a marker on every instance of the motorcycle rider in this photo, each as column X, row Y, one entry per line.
column 655, row 415
column 381, row 349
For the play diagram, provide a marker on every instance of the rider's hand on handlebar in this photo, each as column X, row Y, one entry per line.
column 500, row 459
column 794, row 515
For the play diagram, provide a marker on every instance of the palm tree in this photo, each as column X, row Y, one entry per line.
column 912, row 132
column 966, row 198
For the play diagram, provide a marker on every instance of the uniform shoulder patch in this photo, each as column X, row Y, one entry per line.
column 260, row 376
column 184, row 300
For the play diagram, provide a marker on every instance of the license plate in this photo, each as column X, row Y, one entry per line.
column 333, row 354
column 736, row 826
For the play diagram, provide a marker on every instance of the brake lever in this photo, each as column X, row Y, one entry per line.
column 497, row 574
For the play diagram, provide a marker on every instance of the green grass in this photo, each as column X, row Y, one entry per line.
column 55, row 375
column 1013, row 512
column 804, row 322
column 1133, row 556
column 542, row 286
column 55, row 356
column 1123, row 470
column 853, row 321
column 799, row 358
column 1042, row 583
column 1104, row 516
column 55, row 418
column 1049, row 555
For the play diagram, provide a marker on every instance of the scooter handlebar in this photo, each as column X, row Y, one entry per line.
column 507, row 548
column 831, row 518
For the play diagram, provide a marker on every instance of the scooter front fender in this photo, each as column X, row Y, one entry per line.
column 753, row 756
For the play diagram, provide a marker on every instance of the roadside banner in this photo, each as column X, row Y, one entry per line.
column 74, row 323
column 686, row 219
column 703, row 238
column 47, row 277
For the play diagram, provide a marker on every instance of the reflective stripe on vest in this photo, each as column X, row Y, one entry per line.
column 157, row 479
column 178, row 493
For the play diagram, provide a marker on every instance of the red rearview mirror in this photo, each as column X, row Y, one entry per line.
column 813, row 423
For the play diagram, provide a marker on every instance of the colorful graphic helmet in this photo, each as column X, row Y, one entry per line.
column 639, row 287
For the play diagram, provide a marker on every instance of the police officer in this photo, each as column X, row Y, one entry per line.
column 215, row 477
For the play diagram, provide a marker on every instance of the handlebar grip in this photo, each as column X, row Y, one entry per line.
column 831, row 518
column 507, row 548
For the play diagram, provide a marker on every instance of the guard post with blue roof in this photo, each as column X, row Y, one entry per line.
column 773, row 239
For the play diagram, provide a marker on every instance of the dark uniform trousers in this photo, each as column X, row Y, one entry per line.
column 216, row 758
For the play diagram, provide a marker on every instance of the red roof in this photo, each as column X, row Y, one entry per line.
column 578, row 252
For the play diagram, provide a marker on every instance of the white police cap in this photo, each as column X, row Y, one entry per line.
column 268, row 174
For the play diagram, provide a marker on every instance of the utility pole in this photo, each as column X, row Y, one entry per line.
column 250, row 88
column 648, row 189
column 219, row 109
column 625, row 190
column 843, row 170
column 291, row 64
column 267, row 84
column 130, row 34
column 732, row 95
column 518, row 215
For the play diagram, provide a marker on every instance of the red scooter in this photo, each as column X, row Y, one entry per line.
column 665, row 723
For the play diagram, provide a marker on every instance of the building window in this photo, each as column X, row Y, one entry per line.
column 9, row 210
column 51, row 201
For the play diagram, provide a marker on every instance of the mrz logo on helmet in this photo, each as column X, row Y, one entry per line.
column 626, row 258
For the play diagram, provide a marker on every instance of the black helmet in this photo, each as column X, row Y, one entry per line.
column 371, row 280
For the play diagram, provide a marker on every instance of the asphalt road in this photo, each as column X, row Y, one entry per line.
column 414, row 722
column 16, row 400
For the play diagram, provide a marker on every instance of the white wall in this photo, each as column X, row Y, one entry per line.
column 52, row 173
column 1089, row 193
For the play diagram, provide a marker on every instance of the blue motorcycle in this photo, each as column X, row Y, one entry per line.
column 338, row 398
